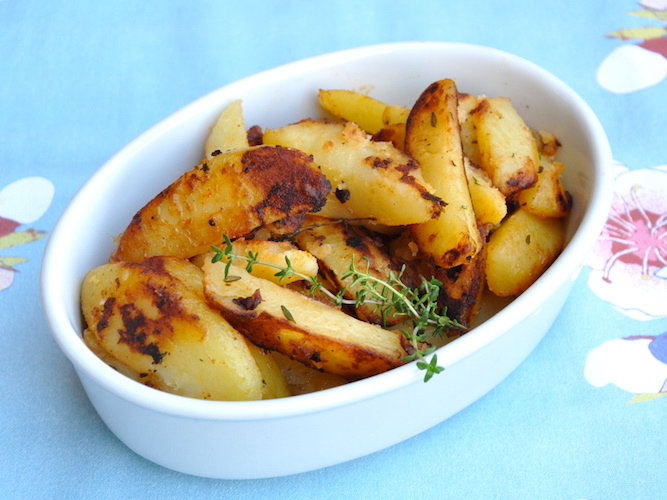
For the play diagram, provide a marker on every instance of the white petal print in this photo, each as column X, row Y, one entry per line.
column 6, row 278
column 628, row 364
column 25, row 200
column 654, row 4
column 630, row 68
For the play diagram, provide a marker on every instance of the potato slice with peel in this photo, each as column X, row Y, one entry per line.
column 520, row 250
column 371, row 179
column 157, row 326
column 433, row 139
column 302, row 328
column 232, row 194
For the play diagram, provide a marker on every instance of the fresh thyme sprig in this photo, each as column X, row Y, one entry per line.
column 391, row 296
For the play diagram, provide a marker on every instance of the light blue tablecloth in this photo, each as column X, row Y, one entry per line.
column 581, row 418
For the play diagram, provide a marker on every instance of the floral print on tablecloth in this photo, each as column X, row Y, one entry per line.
column 629, row 271
column 629, row 262
column 643, row 62
column 21, row 202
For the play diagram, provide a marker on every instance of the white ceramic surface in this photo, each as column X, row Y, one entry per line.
column 279, row 437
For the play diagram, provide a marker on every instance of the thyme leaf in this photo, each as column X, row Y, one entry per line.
column 418, row 306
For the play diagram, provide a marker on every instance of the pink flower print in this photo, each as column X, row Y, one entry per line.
column 629, row 261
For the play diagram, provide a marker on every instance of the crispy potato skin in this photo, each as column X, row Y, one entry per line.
column 320, row 336
column 232, row 194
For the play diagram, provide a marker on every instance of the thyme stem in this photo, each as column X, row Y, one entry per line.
column 392, row 295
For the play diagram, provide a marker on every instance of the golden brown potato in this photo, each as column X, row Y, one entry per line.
column 272, row 252
column 337, row 246
column 520, row 250
column 232, row 194
column 371, row 179
column 394, row 119
column 547, row 143
column 548, row 197
column 507, row 149
column 351, row 106
column 273, row 382
column 487, row 200
column 94, row 345
column 466, row 103
column 158, row 327
column 433, row 139
column 228, row 132
column 302, row 328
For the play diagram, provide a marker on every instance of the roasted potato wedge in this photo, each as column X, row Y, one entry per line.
column 371, row 179
column 274, row 383
column 232, row 193
column 302, row 328
column 433, row 139
column 489, row 203
column 158, row 327
column 547, row 143
column 507, row 148
column 520, row 250
column 466, row 103
column 394, row 119
column 548, row 197
column 275, row 253
column 338, row 246
column 191, row 275
column 351, row 106
column 228, row 132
